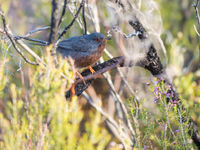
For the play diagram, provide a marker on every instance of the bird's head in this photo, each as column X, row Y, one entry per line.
column 98, row 37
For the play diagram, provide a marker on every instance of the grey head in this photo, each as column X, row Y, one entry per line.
column 96, row 36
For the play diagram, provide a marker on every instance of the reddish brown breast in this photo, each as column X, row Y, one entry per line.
column 92, row 58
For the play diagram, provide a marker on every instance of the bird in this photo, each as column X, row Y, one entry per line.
column 85, row 50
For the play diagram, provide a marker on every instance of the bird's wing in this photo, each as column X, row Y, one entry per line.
column 76, row 44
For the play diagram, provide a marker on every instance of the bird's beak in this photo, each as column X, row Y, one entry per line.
column 107, row 38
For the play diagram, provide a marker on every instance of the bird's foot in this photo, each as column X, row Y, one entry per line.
column 91, row 69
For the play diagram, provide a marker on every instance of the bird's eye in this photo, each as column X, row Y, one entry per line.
column 97, row 39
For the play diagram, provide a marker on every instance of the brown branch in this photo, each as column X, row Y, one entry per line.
column 88, row 77
column 54, row 28
column 54, row 21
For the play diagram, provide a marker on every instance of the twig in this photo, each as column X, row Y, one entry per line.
column 117, row 29
column 83, row 16
column 129, row 64
column 36, row 30
column 63, row 12
column 74, row 19
column 22, row 44
column 30, row 39
column 32, row 53
column 99, row 109
column 9, row 35
column 87, row 77
column 113, row 64
column 181, row 125
column 110, row 120
column 126, row 118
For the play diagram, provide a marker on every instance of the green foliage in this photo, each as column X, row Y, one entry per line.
column 162, row 128
column 39, row 117
column 189, row 90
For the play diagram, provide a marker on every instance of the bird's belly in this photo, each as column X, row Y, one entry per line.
column 87, row 60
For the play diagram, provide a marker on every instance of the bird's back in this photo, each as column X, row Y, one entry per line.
column 80, row 49
column 77, row 46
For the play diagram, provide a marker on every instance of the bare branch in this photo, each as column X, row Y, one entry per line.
column 84, row 20
column 54, row 28
column 37, row 30
column 30, row 39
column 63, row 12
column 10, row 36
column 74, row 19
column 54, row 21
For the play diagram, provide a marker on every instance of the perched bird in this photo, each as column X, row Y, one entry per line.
column 85, row 50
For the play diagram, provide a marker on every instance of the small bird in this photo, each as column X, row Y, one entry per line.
column 85, row 50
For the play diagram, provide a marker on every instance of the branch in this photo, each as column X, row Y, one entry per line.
column 54, row 28
column 36, row 30
column 74, row 19
column 84, row 20
column 88, row 77
column 111, row 122
column 30, row 39
column 24, row 46
column 11, row 38
column 54, row 21
column 63, row 12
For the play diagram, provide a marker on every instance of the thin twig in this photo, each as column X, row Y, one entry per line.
column 25, row 47
column 9, row 35
column 121, row 136
column 30, row 39
column 126, row 36
column 74, row 19
column 118, row 98
column 181, row 125
column 36, row 30
column 32, row 53
column 84, row 20
column 63, row 12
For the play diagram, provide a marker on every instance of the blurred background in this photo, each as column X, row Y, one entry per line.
column 170, row 25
